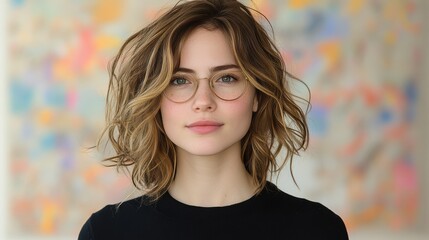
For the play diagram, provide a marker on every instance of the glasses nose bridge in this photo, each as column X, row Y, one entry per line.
column 209, row 83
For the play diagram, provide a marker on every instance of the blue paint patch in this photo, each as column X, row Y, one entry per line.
column 385, row 116
column 55, row 97
column 325, row 25
column 21, row 98
column 48, row 142
column 318, row 120
column 411, row 94
column 17, row 3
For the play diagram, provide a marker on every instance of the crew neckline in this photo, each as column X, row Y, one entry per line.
column 174, row 208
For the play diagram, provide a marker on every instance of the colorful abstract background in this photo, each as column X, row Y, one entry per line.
column 363, row 60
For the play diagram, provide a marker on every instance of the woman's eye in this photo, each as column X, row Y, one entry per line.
column 179, row 81
column 227, row 79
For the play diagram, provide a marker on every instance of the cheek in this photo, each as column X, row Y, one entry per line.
column 167, row 114
column 249, row 103
column 241, row 113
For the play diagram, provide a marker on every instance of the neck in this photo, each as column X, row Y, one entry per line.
column 208, row 181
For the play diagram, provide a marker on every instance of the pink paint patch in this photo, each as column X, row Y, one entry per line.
column 71, row 99
column 85, row 50
column 405, row 177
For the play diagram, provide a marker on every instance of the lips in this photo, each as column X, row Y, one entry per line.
column 203, row 127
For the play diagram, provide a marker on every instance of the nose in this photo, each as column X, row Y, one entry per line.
column 204, row 99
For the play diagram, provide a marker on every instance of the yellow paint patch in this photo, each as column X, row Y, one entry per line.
column 298, row 4
column 107, row 42
column 107, row 10
column 390, row 38
column 256, row 3
column 62, row 68
column 49, row 214
column 331, row 53
column 355, row 6
column 45, row 117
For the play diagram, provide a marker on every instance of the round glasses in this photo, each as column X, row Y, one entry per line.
column 226, row 85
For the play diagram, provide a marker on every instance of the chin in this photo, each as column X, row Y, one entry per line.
column 205, row 151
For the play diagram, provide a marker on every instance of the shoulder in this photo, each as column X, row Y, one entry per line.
column 109, row 221
column 307, row 217
column 128, row 209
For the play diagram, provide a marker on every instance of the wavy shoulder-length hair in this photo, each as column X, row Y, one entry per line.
column 143, row 68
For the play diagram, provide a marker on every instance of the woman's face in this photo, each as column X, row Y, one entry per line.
column 205, row 124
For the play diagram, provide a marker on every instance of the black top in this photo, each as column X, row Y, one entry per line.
column 272, row 214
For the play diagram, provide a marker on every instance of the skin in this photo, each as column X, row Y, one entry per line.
column 210, row 171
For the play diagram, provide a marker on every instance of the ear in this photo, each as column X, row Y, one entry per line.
column 255, row 103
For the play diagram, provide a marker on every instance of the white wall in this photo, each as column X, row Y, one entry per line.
column 423, row 129
column 3, row 101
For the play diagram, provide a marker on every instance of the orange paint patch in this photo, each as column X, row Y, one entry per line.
column 299, row 4
column 45, row 117
column 107, row 10
column 107, row 42
column 62, row 68
column 49, row 215
column 354, row 6
column 331, row 53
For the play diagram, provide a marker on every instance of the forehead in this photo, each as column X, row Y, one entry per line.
column 204, row 49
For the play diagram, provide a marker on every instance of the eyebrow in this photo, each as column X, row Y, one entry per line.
column 213, row 69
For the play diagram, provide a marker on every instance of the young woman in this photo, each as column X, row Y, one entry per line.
column 199, row 106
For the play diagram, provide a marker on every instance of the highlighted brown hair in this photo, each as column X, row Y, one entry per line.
column 141, row 71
